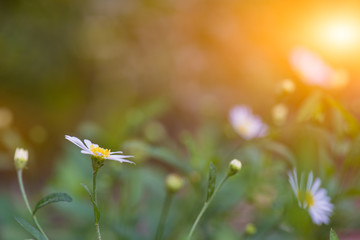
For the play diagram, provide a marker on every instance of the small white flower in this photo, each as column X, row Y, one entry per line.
column 313, row 70
column 94, row 150
column 313, row 198
column 246, row 124
column 21, row 157
column 21, row 154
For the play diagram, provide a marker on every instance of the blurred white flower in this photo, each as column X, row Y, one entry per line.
column 246, row 124
column 313, row 198
column 22, row 154
column 313, row 70
column 280, row 113
column 21, row 157
column 96, row 151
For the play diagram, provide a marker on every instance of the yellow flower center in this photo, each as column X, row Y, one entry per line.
column 244, row 128
column 306, row 197
column 309, row 199
column 100, row 152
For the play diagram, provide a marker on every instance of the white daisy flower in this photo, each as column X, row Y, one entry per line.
column 21, row 154
column 94, row 150
column 21, row 157
column 313, row 70
column 246, row 124
column 313, row 198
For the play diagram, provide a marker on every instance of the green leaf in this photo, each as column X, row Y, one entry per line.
column 310, row 108
column 353, row 124
column 30, row 228
column 281, row 150
column 333, row 235
column 52, row 198
column 95, row 207
column 212, row 181
column 87, row 189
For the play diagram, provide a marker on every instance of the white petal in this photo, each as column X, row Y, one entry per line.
column 309, row 181
column 320, row 194
column 322, row 209
column 263, row 130
column 296, row 178
column 293, row 183
column 117, row 152
column 315, row 186
column 326, row 208
column 119, row 159
column 88, row 143
column 86, row 152
column 301, row 181
column 76, row 141
column 316, row 216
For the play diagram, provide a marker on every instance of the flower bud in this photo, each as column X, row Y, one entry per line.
column 234, row 167
column 287, row 86
column 21, row 157
column 174, row 182
column 279, row 114
column 250, row 229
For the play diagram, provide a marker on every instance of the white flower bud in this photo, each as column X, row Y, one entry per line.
column 234, row 167
column 174, row 183
column 21, row 157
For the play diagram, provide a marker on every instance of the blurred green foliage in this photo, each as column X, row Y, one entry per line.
column 155, row 79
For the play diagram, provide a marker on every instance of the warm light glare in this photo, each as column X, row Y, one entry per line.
column 342, row 33
column 335, row 34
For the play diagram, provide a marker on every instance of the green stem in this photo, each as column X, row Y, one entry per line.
column 94, row 186
column 19, row 174
column 98, row 230
column 164, row 214
column 97, row 226
column 205, row 206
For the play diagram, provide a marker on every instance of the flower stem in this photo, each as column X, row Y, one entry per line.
column 19, row 174
column 97, row 226
column 205, row 206
column 94, row 186
column 163, row 216
column 98, row 230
